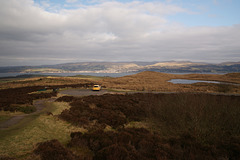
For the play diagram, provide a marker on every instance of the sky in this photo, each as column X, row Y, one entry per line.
column 39, row 32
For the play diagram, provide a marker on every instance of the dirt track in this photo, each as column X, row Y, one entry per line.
column 39, row 104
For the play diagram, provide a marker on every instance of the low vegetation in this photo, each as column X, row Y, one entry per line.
column 19, row 99
column 179, row 126
column 18, row 141
column 144, row 81
column 21, row 108
column 155, row 81
column 48, row 81
column 13, row 99
column 5, row 115
column 188, row 124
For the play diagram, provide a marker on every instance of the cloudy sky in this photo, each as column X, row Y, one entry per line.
column 35, row 32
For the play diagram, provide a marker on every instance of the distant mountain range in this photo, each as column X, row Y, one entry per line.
column 121, row 67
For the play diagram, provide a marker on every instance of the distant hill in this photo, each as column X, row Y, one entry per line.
column 120, row 67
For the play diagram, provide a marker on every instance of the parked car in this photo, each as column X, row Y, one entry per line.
column 96, row 88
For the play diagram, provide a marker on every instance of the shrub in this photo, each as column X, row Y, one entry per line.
column 134, row 144
column 184, row 125
column 22, row 108
column 27, row 109
column 53, row 150
column 225, row 88
column 21, row 96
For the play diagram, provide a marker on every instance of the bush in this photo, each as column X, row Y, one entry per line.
column 22, row 108
column 53, row 150
column 184, row 125
column 134, row 144
column 27, row 109
column 20, row 96
column 225, row 88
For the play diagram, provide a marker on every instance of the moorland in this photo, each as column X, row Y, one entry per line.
column 141, row 116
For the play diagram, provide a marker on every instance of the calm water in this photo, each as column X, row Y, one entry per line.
column 187, row 81
column 74, row 74
column 67, row 74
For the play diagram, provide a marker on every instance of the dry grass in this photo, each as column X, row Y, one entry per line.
column 155, row 81
column 137, row 124
column 5, row 115
column 144, row 81
column 44, row 91
column 176, row 114
column 17, row 143
column 45, row 81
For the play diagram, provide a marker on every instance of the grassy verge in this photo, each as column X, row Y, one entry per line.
column 24, row 108
column 121, row 90
column 5, row 115
column 22, row 138
column 44, row 91
column 6, row 81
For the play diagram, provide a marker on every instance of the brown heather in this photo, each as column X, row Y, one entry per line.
column 179, row 126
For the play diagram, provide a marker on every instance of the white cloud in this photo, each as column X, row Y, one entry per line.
column 109, row 31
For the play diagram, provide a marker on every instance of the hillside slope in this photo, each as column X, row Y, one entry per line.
column 121, row 67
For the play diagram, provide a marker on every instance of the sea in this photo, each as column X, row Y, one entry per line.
column 174, row 81
column 2, row 75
